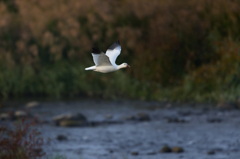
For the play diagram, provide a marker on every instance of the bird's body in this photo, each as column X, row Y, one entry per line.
column 105, row 63
column 102, row 69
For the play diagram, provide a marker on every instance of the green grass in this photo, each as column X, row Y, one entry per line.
column 65, row 79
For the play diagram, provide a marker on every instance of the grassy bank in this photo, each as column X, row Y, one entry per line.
column 65, row 79
column 177, row 50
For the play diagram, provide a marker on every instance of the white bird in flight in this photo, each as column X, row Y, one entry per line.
column 106, row 62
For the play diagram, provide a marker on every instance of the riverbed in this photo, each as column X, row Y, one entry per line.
column 202, row 131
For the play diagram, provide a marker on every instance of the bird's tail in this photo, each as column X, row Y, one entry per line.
column 91, row 68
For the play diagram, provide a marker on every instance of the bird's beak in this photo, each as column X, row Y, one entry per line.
column 128, row 66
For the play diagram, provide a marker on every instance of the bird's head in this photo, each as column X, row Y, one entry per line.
column 124, row 65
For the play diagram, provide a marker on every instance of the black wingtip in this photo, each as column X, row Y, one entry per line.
column 95, row 50
column 114, row 45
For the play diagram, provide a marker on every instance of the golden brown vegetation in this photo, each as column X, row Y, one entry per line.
column 168, row 43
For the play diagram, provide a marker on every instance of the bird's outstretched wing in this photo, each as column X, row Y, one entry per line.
column 113, row 51
column 99, row 58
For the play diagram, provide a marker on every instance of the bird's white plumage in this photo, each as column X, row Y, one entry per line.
column 101, row 59
column 95, row 58
column 113, row 54
column 106, row 62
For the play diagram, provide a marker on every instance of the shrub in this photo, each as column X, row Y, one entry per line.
column 21, row 141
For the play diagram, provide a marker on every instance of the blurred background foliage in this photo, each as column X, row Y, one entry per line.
column 178, row 50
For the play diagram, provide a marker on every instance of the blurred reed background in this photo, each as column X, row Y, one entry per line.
column 178, row 50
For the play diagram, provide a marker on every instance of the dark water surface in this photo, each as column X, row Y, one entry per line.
column 202, row 131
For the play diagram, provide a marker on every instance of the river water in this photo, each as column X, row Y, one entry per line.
column 203, row 131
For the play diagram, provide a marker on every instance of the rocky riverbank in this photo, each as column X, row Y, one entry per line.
column 133, row 129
